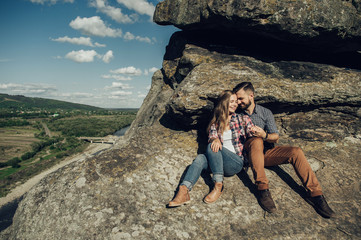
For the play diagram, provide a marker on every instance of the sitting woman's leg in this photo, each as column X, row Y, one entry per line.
column 192, row 175
column 223, row 163
column 232, row 163
column 215, row 161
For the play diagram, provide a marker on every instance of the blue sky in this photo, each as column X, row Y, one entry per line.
column 97, row 52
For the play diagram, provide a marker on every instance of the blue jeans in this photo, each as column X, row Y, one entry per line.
column 223, row 163
column 194, row 171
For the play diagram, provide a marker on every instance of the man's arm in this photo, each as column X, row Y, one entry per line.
column 270, row 128
column 270, row 137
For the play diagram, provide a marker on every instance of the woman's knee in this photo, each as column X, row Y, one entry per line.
column 233, row 166
column 200, row 160
column 209, row 150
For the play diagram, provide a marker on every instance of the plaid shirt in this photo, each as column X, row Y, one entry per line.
column 241, row 129
column 263, row 118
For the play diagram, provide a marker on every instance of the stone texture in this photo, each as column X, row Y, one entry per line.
column 199, row 74
column 334, row 25
column 122, row 193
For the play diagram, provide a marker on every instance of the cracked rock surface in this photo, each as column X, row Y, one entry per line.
column 122, row 193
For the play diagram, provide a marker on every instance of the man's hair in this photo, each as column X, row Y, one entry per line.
column 246, row 86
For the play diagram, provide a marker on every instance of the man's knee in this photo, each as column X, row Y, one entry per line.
column 254, row 143
column 296, row 152
column 297, row 155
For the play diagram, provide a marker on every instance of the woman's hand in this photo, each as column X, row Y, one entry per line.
column 258, row 132
column 216, row 145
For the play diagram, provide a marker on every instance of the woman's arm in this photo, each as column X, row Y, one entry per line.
column 248, row 126
column 213, row 138
column 268, row 137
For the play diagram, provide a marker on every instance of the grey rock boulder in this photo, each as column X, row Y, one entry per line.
column 331, row 25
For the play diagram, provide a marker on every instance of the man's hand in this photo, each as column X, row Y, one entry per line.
column 216, row 145
column 258, row 132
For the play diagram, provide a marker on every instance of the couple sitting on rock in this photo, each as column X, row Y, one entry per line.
column 252, row 132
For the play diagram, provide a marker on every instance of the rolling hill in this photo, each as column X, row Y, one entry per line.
column 16, row 102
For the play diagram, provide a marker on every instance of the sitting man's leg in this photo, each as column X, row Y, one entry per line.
column 295, row 156
column 254, row 146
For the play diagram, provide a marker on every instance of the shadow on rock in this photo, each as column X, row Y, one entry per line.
column 206, row 175
column 7, row 213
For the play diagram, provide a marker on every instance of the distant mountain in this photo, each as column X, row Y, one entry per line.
column 17, row 102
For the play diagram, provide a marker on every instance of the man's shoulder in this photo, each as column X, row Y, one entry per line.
column 263, row 110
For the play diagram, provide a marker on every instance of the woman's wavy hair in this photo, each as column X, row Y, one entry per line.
column 220, row 113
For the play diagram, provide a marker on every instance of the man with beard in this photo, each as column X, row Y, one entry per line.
column 262, row 153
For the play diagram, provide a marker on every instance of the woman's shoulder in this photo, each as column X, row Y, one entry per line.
column 242, row 118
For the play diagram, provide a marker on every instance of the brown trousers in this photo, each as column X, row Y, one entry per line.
column 277, row 156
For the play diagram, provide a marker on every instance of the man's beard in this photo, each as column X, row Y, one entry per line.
column 245, row 106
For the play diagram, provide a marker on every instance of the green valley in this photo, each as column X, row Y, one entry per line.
column 37, row 133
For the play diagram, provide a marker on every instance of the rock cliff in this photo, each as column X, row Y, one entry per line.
column 315, row 94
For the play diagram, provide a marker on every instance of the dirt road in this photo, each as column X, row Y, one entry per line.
column 17, row 192
column 46, row 129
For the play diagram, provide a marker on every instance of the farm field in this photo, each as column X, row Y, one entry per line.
column 16, row 140
column 30, row 149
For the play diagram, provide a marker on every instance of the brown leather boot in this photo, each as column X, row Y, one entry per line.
column 321, row 206
column 215, row 193
column 181, row 198
column 266, row 201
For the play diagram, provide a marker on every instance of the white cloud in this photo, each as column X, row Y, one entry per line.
column 99, row 45
column 108, row 56
column 118, row 85
column 50, row 1
column 117, row 77
column 129, row 36
column 30, row 88
column 76, row 95
column 140, row 6
column 94, row 26
column 143, row 39
column 114, row 13
column 82, row 56
column 153, row 69
column 150, row 70
column 141, row 95
column 78, row 41
column 128, row 70
column 120, row 93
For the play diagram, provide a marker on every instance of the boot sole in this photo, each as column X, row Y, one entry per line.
column 204, row 200
column 322, row 213
column 179, row 204
column 268, row 210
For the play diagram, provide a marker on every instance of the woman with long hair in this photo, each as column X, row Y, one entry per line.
column 228, row 132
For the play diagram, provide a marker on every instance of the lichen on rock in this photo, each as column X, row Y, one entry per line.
column 315, row 96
